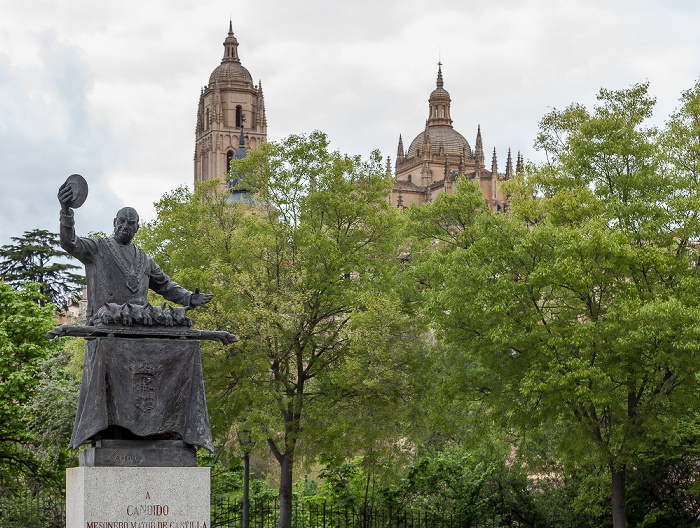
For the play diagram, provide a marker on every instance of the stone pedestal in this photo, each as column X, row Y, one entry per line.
column 138, row 497
column 139, row 453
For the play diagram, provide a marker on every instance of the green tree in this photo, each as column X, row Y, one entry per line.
column 23, row 347
column 52, row 409
column 310, row 280
column 578, row 311
column 33, row 258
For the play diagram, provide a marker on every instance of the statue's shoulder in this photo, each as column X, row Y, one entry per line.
column 105, row 243
column 92, row 243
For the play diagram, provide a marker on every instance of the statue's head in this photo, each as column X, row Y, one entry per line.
column 126, row 223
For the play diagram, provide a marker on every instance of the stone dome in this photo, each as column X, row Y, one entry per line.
column 440, row 135
column 439, row 93
column 230, row 72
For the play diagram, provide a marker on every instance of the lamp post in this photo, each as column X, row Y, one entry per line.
column 246, row 443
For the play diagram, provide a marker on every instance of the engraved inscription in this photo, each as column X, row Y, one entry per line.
column 120, row 458
column 155, row 510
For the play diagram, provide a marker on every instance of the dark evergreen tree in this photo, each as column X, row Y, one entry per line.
column 36, row 257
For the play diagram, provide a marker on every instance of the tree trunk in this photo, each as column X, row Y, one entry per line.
column 286, row 468
column 619, row 509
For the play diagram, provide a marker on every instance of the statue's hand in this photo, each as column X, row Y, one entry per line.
column 65, row 196
column 200, row 299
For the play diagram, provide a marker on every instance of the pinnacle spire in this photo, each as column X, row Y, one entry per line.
column 479, row 149
column 494, row 164
column 519, row 165
column 509, row 167
column 439, row 77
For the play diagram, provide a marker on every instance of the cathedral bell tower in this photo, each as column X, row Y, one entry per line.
column 229, row 104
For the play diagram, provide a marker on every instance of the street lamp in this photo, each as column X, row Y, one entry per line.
column 246, row 443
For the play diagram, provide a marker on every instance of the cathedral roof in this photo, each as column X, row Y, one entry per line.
column 230, row 70
column 440, row 135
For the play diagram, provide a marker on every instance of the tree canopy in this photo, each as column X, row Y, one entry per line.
column 330, row 353
column 580, row 307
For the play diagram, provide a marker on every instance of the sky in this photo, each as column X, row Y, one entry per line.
column 110, row 90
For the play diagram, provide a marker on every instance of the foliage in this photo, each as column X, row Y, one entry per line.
column 578, row 311
column 23, row 348
column 488, row 485
column 32, row 258
column 330, row 353
column 444, row 483
column 53, row 408
column 664, row 489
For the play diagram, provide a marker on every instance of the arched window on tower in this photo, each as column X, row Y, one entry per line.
column 207, row 127
column 410, row 178
column 436, row 112
column 443, row 110
column 229, row 157
column 239, row 114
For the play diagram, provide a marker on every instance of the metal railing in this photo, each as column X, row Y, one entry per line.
column 265, row 514
column 31, row 507
column 23, row 507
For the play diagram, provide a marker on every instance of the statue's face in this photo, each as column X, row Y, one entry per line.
column 125, row 225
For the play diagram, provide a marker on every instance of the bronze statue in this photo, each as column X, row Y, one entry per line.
column 142, row 386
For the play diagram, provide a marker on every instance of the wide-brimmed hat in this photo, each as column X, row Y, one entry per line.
column 80, row 190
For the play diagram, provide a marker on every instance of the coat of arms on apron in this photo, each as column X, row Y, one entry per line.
column 145, row 392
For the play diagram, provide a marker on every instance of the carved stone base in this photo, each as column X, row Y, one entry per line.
column 139, row 453
column 137, row 497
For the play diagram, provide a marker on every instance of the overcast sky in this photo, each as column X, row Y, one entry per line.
column 109, row 90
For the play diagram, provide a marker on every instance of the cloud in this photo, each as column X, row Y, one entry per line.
column 111, row 90
column 47, row 132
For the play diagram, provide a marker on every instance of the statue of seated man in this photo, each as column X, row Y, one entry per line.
column 116, row 269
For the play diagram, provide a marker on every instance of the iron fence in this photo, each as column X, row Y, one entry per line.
column 265, row 514
column 23, row 507
column 31, row 507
